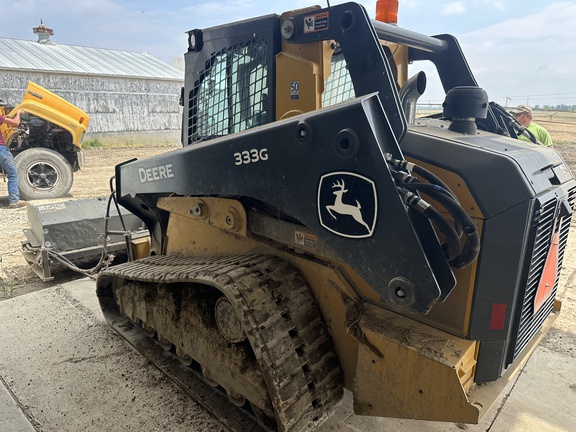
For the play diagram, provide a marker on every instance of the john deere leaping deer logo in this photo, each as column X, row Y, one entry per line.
column 345, row 209
column 347, row 204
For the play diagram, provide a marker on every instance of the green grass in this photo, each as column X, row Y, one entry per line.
column 92, row 143
column 131, row 140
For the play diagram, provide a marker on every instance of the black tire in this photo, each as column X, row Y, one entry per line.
column 43, row 174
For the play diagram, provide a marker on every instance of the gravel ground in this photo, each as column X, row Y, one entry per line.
column 91, row 182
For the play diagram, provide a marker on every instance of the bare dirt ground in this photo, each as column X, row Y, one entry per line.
column 562, row 337
column 91, row 182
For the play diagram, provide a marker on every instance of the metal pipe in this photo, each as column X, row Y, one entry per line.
column 392, row 33
column 409, row 94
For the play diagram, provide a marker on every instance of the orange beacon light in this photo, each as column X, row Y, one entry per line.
column 387, row 11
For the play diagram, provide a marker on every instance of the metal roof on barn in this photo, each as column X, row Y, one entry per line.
column 26, row 55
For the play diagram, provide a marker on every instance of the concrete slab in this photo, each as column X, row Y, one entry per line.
column 12, row 418
column 73, row 373
column 544, row 397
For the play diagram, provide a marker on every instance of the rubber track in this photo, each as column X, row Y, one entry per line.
column 280, row 318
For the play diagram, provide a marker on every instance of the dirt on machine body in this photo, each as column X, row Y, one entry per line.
column 313, row 235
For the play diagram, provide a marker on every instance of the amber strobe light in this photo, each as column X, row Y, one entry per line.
column 387, row 11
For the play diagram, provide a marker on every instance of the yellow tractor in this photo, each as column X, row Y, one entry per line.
column 47, row 145
column 313, row 235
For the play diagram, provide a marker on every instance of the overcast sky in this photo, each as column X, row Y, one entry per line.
column 519, row 51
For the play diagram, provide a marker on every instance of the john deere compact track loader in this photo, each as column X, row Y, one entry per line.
column 313, row 235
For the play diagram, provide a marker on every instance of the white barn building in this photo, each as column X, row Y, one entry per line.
column 122, row 91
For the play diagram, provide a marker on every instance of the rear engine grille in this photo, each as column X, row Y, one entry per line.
column 531, row 322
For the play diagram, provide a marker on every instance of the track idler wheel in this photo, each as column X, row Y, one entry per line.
column 228, row 322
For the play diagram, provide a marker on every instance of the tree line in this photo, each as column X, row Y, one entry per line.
column 560, row 107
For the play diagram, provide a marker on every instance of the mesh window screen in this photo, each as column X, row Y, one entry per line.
column 231, row 94
column 338, row 87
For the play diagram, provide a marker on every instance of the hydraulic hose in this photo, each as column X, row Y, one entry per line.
column 440, row 195
column 464, row 223
column 523, row 130
column 452, row 245
column 422, row 172
column 471, row 249
column 432, row 178
column 105, row 257
column 111, row 198
column 464, row 226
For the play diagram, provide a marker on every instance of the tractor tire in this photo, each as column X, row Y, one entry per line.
column 43, row 174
